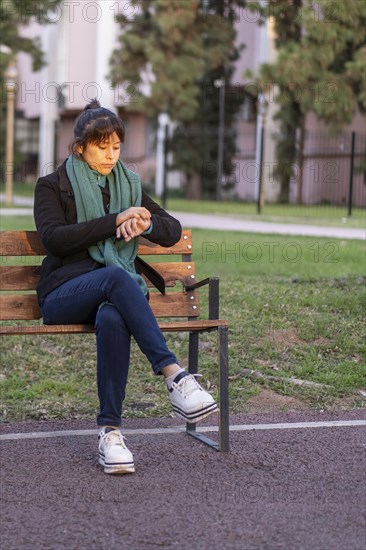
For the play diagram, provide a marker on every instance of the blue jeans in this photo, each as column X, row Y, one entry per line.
column 127, row 312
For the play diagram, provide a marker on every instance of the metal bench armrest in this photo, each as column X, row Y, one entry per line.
column 213, row 295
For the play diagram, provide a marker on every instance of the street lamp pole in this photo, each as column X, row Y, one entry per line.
column 262, row 112
column 163, row 121
column 220, row 83
column 10, row 77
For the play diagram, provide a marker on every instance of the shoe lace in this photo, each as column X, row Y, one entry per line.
column 114, row 438
column 188, row 384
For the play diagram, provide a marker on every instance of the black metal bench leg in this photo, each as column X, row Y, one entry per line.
column 193, row 369
column 193, row 352
column 223, row 439
column 192, row 365
column 223, row 389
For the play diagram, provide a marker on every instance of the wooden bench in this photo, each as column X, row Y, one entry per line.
column 180, row 305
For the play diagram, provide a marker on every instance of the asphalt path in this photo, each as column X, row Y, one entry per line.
column 294, row 488
column 232, row 223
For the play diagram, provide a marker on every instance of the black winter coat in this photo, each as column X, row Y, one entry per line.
column 67, row 241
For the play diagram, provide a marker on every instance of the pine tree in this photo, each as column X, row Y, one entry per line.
column 171, row 52
column 195, row 143
column 320, row 67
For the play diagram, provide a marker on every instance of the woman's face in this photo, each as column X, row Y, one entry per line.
column 102, row 157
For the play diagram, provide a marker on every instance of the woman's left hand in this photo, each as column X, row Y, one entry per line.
column 132, row 228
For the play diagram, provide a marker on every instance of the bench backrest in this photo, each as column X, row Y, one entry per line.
column 21, row 254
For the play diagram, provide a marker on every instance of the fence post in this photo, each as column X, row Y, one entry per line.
column 260, row 189
column 350, row 189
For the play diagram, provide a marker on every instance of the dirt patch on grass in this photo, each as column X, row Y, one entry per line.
column 288, row 337
column 284, row 336
column 269, row 401
column 349, row 402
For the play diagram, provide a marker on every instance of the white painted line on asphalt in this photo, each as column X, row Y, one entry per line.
column 181, row 429
column 66, row 433
column 299, row 425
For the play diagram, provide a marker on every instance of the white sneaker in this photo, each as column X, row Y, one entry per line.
column 189, row 400
column 113, row 453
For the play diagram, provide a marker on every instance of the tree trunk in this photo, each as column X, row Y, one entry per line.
column 300, row 161
column 193, row 187
column 286, row 153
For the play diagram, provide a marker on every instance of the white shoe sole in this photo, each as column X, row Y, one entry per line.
column 117, row 467
column 195, row 416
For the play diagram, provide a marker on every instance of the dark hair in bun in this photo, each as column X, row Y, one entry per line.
column 94, row 125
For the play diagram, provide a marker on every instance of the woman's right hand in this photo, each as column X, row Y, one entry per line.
column 137, row 212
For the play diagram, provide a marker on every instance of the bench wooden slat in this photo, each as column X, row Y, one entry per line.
column 25, row 277
column 178, row 326
column 26, row 243
column 19, row 307
column 175, row 304
column 19, row 277
column 184, row 272
column 183, row 246
column 20, row 243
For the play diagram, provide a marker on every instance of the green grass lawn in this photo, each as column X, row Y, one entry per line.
column 296, row 309
column 17, row 223
column 20, row 189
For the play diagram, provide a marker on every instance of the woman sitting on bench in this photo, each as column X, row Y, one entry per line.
column 89, row 214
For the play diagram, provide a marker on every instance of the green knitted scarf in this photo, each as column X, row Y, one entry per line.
column 125, row 191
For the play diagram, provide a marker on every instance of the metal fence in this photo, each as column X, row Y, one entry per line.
column 333, row 171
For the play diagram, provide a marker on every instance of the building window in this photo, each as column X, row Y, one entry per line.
column 247, row 112
column 151, row 130
column 27, row 134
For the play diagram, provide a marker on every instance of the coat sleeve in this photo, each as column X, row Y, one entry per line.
column 166, row 230
column 57, row 234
